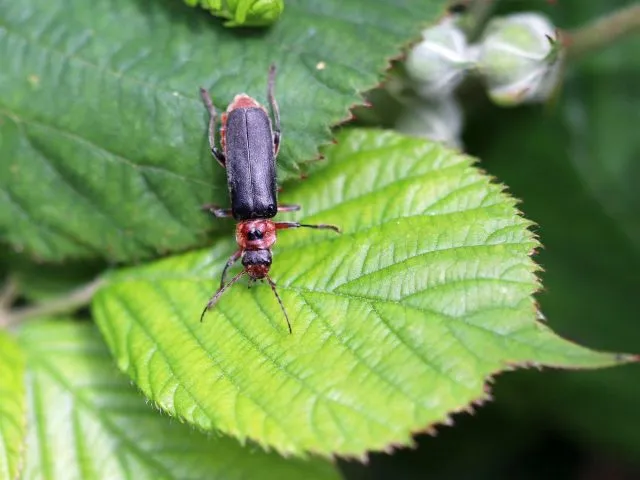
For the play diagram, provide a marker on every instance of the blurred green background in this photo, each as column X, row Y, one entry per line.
column 575, row 164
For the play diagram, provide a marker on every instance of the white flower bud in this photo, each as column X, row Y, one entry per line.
column 438, row 119
column 519, row 59
column 438, row 63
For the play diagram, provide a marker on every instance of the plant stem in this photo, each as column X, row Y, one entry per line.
column 73, row 300
column 8, row 293
column 478, row 12
column 602, row 32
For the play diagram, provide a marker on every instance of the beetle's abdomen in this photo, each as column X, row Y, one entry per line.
column 250, row 162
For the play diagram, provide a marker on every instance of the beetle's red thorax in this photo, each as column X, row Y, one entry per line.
column 243, row 101
column 259, row 234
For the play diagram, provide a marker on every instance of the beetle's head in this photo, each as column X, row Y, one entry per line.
column 257, row 263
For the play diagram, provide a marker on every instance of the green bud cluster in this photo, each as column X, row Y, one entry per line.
column 243, row 13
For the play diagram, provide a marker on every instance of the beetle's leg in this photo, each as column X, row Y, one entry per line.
column 275, row 292
column 218, row 155
column 275, row 111
column 276, row 143
column 288, row 208
column 217, row 211
column 323, row 226
column 218, row 294
column 232, row 259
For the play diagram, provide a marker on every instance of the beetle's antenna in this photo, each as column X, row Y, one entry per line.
column 219, row 293
column 322, row 226
column 286, row 317
column 212, row 117
column 275, row 111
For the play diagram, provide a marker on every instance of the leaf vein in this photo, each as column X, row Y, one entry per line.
column 345, row 344
column 425, row 360
column 99, row 413
column 399, row 264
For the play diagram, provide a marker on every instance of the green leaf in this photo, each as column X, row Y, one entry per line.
column 396, row 323
column 86, row 421
column 102, row 130
column 13, row 424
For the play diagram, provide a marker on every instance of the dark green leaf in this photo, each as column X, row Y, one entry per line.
column 102, row 131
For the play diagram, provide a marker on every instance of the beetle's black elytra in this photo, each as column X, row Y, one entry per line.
column 251, row 164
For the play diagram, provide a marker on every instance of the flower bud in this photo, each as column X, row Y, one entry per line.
column 438, row 119
column 519, row 59
column 438, row 63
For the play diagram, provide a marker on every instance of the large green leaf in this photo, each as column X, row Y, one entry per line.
column 396, row 323
column 13, row 420
column 86, row 421
column 102, row 132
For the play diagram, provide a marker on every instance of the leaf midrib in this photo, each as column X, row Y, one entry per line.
column 167, row 275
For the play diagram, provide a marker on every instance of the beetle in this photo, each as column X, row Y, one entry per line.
column 249, row 147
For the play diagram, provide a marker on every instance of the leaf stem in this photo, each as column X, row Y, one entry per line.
column 73, row 300
column 602, row 32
